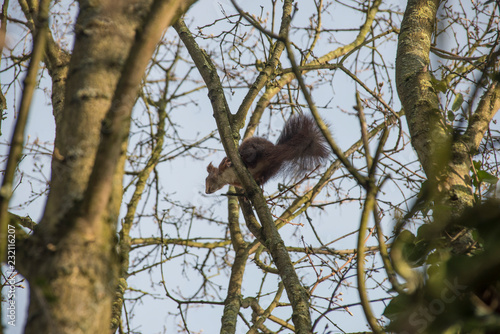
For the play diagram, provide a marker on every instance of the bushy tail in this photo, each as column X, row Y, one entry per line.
column 301, row 146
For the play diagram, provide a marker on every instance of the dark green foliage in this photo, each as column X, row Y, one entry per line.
column 459, row 293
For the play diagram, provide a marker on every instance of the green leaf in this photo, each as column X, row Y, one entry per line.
column 439, row 256
column 451, row 116
column 477, row 164
column 397, row 305
column 424, row 232
column 416, row 253
column 459, row 99
column 484, row 176
column 406, row 236
column 438, row 85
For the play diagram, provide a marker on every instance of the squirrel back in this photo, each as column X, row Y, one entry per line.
column 301, row 147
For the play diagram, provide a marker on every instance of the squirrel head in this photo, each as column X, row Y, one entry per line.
column 219, row 177
column 213, row 182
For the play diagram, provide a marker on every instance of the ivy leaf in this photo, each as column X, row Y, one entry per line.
column 398, row 305
column 484, row 176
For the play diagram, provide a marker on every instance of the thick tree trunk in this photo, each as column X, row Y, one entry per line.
column 445, row 156
column 70, row 261
column 429, row 135
column 445, row 159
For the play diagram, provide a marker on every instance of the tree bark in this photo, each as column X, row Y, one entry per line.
column 297, row 294
column 445, row 156
column 418, row 97
column 72, row 271
column 71, row 260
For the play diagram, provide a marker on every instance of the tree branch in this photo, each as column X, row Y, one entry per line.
column 479, row 122
column 17, row 141
column 117, row 121
column 356, row 43
column 268, row 71
column 232, row 303
column 296, row 293
column 419, row 99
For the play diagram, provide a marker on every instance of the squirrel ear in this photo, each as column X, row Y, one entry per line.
column 226, row 162
column 210, row 168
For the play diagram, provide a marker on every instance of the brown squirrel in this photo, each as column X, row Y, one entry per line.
column 300, row 147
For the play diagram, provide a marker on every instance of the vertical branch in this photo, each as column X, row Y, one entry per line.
column 269, row 68
column 232, row 303
column 368, row 208
column 391, row 273
column 420, row 101
column 445, row 157
column 125, row 240
column 267, row 313
column 117, row 120
column 55, row 59
column 17, row 141
column 360, row 271
column 297, row 295
column 364, row 133
column 115, row 128
column 3, row 34
column 488, row 106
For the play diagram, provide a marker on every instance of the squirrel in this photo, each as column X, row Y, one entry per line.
column 300, row 148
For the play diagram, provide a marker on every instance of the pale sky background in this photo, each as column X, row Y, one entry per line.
column 185, row 177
